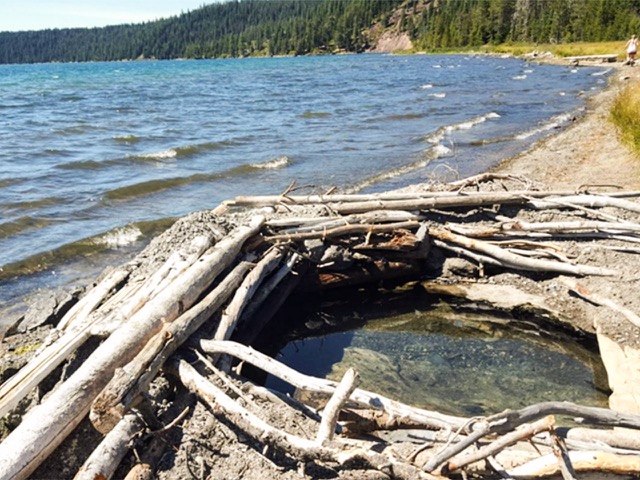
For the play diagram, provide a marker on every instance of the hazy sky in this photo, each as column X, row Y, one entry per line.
column 40, row 14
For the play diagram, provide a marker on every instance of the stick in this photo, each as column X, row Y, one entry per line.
column 300, row 448
column 507, row 440
column 104, row 460
column 245, row 292
column 587, row 201
column 261, row 296
column 78, row 326
column 517, row 261
column 362, row 397
column 562, row 455
column 510, row 419
column 331, row 412
column 480, row 197
column 593, row 297
column 484, row 178
column 589, row 461
column 605, row 417
column 93, row 298
column 135, row 377
column 46, row 426
column 343, row 231
column 255, row 426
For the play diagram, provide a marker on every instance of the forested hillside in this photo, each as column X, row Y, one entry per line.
column 298, row 27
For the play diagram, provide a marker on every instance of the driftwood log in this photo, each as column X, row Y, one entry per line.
column 207, row 294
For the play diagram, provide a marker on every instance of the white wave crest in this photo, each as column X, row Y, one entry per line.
column 440, row 150
column 274, row 163
column 519, row 77
column 165, row 154
column 439, row 135
column 120, row 237
column 554, row 122
column 426, row 86
column 438, row 95
column 603, row 72
column 388, row 175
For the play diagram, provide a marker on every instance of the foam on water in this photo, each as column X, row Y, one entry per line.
column 162, row 155
column 553, row 123
column 119, row 237
column 440, row 134
column 275, row 163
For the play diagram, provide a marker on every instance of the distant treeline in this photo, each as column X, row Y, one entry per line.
column 299, row 27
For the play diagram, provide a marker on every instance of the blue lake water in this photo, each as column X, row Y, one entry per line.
column 94, row 156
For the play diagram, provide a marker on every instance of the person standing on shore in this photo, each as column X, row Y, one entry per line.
column 632, row 48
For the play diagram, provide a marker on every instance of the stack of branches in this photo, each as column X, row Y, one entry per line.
column 229, row 289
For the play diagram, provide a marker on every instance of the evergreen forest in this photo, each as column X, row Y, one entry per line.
column 241, row 28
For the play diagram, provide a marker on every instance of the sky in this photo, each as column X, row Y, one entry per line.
column 17, row 15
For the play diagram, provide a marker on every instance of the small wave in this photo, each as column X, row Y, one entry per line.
column 162, row 155
column 440, row 150
column 466, row 125
column 56, row 152
column 388, row 175
column 81, row 165
column 7, row 182
column 76, row 130
column 28, row 205
column 126, row 139
column 574, row 70
column 82, row 248
column 20, row 225
column 152, row 186
column 519, row 77
column 601, row 73
column 426, row 86
column 438, row 95
column 185, row 151
column 120, row 237
column 553, row 123
column 309, row 114
column 272, row 164
column 490, row 141
column 156, row 186
column 436, row 66
column 527, row 71
column 406, row 116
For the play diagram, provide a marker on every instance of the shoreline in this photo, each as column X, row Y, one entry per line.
column 588, row 152
column 585, row 153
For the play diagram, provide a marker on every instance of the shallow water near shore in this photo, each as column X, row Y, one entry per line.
column 460, row 363
column 92, row 156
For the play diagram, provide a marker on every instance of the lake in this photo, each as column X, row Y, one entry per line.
column 96, row 158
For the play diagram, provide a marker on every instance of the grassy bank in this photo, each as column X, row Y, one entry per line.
column 625, row 114
column 558, row 49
